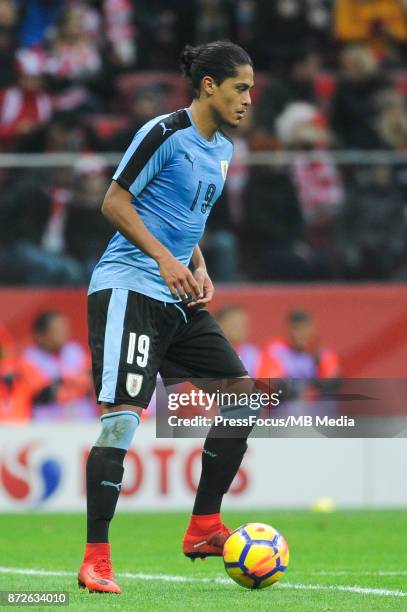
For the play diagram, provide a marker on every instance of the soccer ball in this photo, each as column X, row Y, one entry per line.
column 255, row 555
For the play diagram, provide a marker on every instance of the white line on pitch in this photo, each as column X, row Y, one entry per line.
column 36, row 572
column 225, row 581
column 33, row 572
column 343, row 588
column 355, row 573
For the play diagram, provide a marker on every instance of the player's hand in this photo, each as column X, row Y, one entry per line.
column 179, row 279
column 205, row 285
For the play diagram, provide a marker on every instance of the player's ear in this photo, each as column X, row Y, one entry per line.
column 208, row 85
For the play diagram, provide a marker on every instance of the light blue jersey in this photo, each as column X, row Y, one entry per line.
column 175, row 176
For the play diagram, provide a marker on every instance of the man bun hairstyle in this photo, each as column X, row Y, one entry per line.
column 188, row 56
column 218, row 59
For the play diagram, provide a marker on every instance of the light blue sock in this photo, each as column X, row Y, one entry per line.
column 118, row 429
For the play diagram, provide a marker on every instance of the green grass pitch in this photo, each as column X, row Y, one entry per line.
column 346, row 560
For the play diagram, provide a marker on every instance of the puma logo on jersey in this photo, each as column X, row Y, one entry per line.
column 165, row 129
column 107, row 483
column 190, row 159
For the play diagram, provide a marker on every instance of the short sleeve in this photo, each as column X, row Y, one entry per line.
column 148, row 153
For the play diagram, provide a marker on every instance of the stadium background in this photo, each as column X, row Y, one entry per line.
column 313, row 218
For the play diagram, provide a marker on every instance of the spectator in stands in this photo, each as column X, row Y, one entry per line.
column 37, row 19
column 244, row 32
column 66, row 132
column 273, row 246
column 8, row 14
column 300, row 355
column 65, row 365
column 303, row 128
column 74, row 62
column 296, row 84
column 19, row 383
column 212, row 20
column 121, row 34
column 235, row 324
column 59, row 192
column 25, row 106
column 25, row 215
column 86, row 230
column 147, row 103
column 392, row 120
column 372, row 228
column 14, row 399
column 8, row 42
column 354, row 105
column 159, row 23
column 283, row 26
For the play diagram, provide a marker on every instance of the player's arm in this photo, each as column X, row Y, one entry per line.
column 202, row 277
column 118, row 209
column 144, row 159
column 197, row 259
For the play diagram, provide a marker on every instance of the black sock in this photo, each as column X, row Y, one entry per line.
column 104, row 473
column 221, row 459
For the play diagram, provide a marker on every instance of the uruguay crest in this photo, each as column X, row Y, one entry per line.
column 224, row 165
column 133, row 384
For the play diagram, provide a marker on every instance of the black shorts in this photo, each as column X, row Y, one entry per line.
column 133, row 337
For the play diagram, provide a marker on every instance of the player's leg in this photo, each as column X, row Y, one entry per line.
column 104, row 473
column 201, row 350
column 104, row 468
column 126, row 341
column 221, row 459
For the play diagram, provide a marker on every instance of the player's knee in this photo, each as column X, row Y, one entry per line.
column 118, row 429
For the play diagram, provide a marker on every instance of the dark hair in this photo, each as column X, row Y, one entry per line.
column 298, row 316
column 42, row 321
column 217, row 59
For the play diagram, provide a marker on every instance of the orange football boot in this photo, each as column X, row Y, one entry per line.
column 96, row 572
column 205, row 536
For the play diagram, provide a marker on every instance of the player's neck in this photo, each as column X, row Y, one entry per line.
column 203, row 120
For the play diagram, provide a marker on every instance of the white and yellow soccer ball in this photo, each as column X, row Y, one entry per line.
column 255, row 556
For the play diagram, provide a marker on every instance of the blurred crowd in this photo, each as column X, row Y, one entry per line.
column 48, row 378
column 82, row 76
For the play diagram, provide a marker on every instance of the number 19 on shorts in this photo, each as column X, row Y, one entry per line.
column 140, row 343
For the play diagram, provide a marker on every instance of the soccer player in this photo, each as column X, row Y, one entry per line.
column 146, row 309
